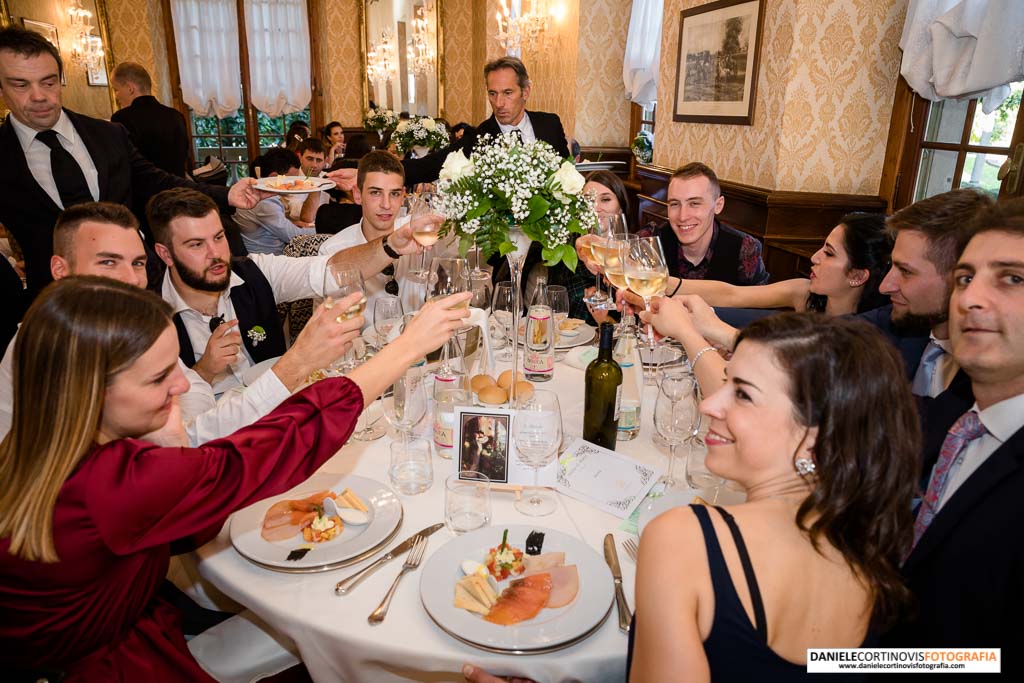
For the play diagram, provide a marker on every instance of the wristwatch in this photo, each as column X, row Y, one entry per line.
column 388, row 250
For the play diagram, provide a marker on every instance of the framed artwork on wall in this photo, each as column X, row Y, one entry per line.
column 48, row 31
column 716, row 67
column 98, row 75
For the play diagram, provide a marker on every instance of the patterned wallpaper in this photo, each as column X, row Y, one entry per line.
column 553, row 70
column 342, row 65
column 461, row 79
column 602, row 110
column 137, row 35
column 824, row 96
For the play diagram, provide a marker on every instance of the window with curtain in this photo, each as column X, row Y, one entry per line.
column 277, row 70
column 643, row 51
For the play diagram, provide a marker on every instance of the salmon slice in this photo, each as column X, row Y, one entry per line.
column 522, row 600
column 287, row 518
column 565, row 584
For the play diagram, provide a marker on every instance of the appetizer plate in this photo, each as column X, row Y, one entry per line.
column 551, row 629
column 584, row 334
column 352, row 545
column 282, row 184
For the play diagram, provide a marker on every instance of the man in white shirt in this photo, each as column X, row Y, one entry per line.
column 918, row 283
column 267, row 228
column 302, row 208
column 225, row 310
column 380, row 190
column 965, row 565
column 99, row 238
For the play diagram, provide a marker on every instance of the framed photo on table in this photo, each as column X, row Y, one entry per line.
column 717, row 62
column 483, row 442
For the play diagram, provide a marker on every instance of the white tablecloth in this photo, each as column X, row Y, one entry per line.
column 332, row 634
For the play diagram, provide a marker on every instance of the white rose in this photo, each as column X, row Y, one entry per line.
column 403, row 125
column 428, row 123
column 569, row 178
column 455, row 166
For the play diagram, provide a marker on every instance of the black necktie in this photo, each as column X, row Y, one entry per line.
column 67, row 174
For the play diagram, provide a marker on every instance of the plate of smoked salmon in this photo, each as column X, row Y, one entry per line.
column 520, row 590
column 329, row 521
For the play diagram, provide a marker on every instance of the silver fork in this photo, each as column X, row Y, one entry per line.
column 632, row 549
column 412, row 561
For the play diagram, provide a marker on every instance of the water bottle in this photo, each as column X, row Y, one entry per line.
column 539, row 359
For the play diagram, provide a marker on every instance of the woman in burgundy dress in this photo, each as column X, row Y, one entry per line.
column 88, row 512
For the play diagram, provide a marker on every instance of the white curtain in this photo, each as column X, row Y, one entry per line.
column 206, row 33
column 643, row 48
column 963, row 48
column 279, row 60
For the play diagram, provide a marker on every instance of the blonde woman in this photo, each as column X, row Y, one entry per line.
column 88, row 512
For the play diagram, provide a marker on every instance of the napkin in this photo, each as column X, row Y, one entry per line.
column 580, row 356
column 479, row 318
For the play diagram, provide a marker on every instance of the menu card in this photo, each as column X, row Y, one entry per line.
column 605, row 479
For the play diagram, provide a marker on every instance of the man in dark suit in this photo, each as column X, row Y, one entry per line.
column 55, row 158
column 157, row 131
column 965, row 568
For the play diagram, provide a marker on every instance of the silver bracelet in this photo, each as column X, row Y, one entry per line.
column 693, row 363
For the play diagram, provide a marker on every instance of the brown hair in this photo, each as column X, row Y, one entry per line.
column 514, row 63
column 29, row 44
column 314, row 145
column 98, row 212
column 845, row 379
column 941, row 219
column 378, row 161
column 134, row 73
column 613, row 183
column 695, row 169
column 79, row 334
column 1006, row 216
column 165, row 206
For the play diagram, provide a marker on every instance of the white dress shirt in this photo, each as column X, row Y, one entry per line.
column 37, row 155
column 524, row 126
column 1001, row 421
column 204, row 417
column 290, row 278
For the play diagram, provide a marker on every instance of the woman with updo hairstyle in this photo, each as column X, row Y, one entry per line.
column 97, row 486
column 333, row 135
column 810, row 422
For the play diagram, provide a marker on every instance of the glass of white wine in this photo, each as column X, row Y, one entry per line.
column 339, row 282
column 645, row 270
column 604, row 238
column 424, row 232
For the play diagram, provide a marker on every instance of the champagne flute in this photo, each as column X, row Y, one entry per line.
column 676, row 416
column 339, row 282
column 447, row 276
column 537, row 434
column 645, row 270
column 503, row 311
column 387, row 312
column 408, row 402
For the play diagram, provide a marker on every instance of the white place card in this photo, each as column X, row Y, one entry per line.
column 605, row 479
column 482, row 439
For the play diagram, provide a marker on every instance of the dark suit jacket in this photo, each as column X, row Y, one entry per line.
column 125, row 177
column 910, row 348
column 967, row 571
column 546, row 126
column 158, row 132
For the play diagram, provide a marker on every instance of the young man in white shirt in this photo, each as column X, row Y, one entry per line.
column 302, row 208
column 225, row 310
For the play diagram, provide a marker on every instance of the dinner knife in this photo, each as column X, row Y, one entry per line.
column 612, row 558
column 347, row 584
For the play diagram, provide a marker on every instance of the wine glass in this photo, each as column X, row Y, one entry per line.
column 387, row 312
column 611, row 227
column 408, row 402
column 558, row 299
column 537, row 434
column 339, row 282
column 447, row 276
column 643, row 264
column 676, row 416
column 425, row 234
column 503, row 311
column 698, row 476
column 483, row 290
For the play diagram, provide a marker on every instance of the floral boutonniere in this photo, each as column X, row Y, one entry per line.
column 256, row 335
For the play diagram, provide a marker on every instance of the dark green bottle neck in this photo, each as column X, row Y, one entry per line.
column 604, row 349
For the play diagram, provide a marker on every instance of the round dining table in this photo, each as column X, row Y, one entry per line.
column 332, row 634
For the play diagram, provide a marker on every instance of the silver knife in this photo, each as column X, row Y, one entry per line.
column 347, row 584
column 612, row 558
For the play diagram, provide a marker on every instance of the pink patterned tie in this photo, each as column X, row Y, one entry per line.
column 966, row 429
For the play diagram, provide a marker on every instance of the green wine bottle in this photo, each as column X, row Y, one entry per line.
column 602, row 394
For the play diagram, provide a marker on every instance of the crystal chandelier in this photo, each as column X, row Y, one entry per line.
column 519, row 28
column 86, row 49
column 381, row 64
column 420, row 54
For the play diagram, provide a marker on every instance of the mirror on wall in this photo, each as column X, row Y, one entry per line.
column 402, row 56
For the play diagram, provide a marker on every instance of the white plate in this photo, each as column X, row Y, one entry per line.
column 273, row 184
column 588, row 166
column 253, row 372
column 584, row 335
column 352, row 544
column 551, row 629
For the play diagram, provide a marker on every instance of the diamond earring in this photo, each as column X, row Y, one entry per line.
column 804, row 466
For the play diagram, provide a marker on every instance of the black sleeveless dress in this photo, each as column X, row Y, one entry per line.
column 735, row 649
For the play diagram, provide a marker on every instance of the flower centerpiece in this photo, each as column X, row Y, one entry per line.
column 380, row 119
column 643, row 146
column 506, row 183
column 420, row 132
